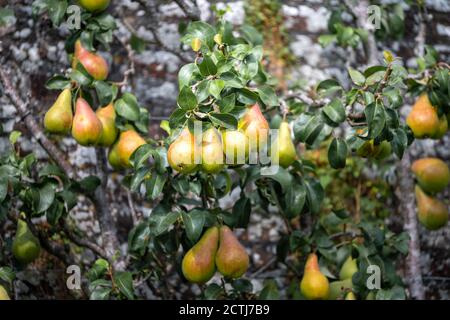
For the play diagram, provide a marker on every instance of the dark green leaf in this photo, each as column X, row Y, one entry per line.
column 337, row 153
column 193, row 224
column 187, row 99
column 225, row 120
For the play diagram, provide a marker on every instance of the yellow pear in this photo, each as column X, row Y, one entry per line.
column 432, row 213
column 94, row 63
column 348, row 268
column 113, row 157
column 212, row 151
column 283, row 148
column 235, row 146
column 314, row 284
column 86, row 127
column 25, row 246
column 3, row 294
column 94, row 5
column 255, row 127
column 58, row 118
column 339, row 288
column 350, row 296
column 181, row 153
column 107, row 116
column 432, row 174
column 231, row 259
column 128, row 142
column 198, row 264
column 423, row 118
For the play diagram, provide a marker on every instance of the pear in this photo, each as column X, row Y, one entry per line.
column 212, row 151
column 443, row 127
column 113, row 157
column 314, row 284
column 382, row 151
column 107, row 116
column 339, row 288
column 235, row 146
column 350, row 296
column 255, row 127
column 128, row 142
column 432, row 213
column 25, row 246
column 370, row 296
column 366, row 150
column 423, row 118
column 349, row 267
column 231, row 259
column 283, row 148
column 181, row 153
column 94, row 63
column 432, row 174
column 86, row 127
column 94, row 5
column 58, row 118
column 3, row 294
column 198, row 264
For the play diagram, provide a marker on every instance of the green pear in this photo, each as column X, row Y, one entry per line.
column 314, row 285
column 235, row 146
column 181, row 153
column 58, row 118
column 443, row 127
column 212, row 151
column 370, row 296
column 25, row 246
column 432, row 174
column 432, row 213
column 94, row 5
column 339, row 288
column 350, row 296
column 283, row 148
column 348, row 268
column 198, row 264
column 231, row 259
column 86, row 127
column 113, row 157
column 128, row 142
column 3, row 294
column 107, row 116
column 92, row 62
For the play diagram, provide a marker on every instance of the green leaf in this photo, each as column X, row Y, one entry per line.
column 187, row 99
column 57, row 82
column 227, row 103
column 98, row 270
column 193, row 224
column 310, row 130
column 14, row 136
column 124, row 282
column 7, row 274
column 161, row 219
column 7, row 16
column 335, row 111
column 80, row 77
column 57, row 10
column 89, row 184
column 3, row 188
column 376, row 118
column 213, row 292
column 356, row 76
column 215, row 88
column 137, row 44
column 337, row 153
column 104, row 92
column 177, row 118
column 46, row 197
column 241, row 212
column 186, row 73
column 270, row 291
column 268, row 96
column 207, row 67
column 138, row 238
column 294, row 200
column 231, row 80
column 252, row 35
column 314, row 195
column 399, row 143
column 155, row 185
column 225, row 120
column 326, row 39
column 127, row 108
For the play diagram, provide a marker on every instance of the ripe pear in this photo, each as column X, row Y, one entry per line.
column 314, row 284
column 113, row 157
column 432, row 174
column 283, row 147
column 128, row 142
column 94, row 5
column 231, row 259
column 443, row 127
column 198, row 264
column 86, row 127
column 255, row 127
column 423, row 118
column 107, row 116
column 235, row 146
column 58, row 118
column 348, row 268
column 432, row 213
column 212, row 151
column 181, row 153
column 25, row 246
column 350, row 296
column 3, row 294
column 339, row 288
column 94, row 63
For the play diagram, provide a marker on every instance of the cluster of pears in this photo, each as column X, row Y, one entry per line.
column 215, row 149
column 25, row 246
column 425, row 121
column 315, row 286
column 217, row 248
column 433, row 176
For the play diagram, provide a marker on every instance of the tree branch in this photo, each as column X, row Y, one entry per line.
column 192, row 12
